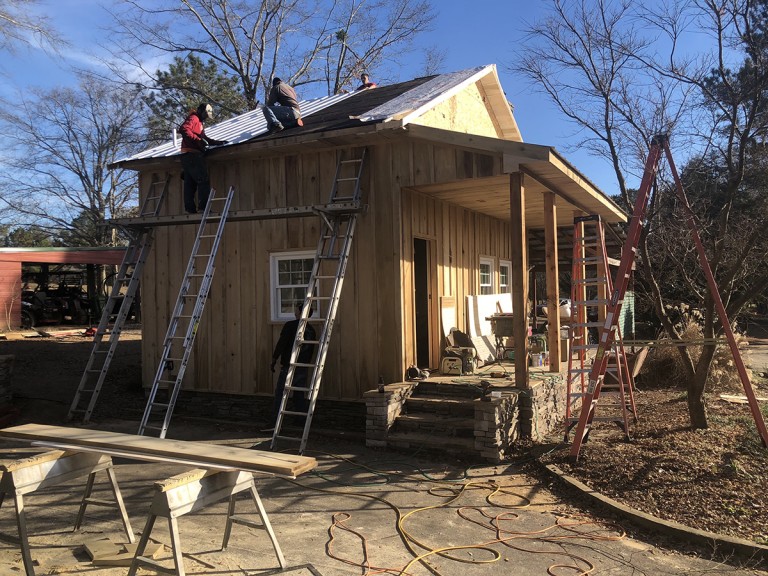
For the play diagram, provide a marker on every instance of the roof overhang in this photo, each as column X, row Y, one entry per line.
column 544, row 168
column 63, row 255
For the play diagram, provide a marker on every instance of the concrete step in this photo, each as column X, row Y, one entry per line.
column 430, row 423
column 460, row 407
column 432, row 443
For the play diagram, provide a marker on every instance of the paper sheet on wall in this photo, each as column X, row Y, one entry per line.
column 447, row 313
column 482, row 306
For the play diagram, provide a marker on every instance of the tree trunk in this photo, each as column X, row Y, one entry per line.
column 697, row 410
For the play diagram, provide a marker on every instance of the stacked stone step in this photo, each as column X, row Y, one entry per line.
column 437, row 417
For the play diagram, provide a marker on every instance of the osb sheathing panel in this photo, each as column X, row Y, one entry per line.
column 466, row 112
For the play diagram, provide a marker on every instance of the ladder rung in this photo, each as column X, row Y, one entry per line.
column 288, row 438
column 159, row 405
column 298, row 388
column 294, row 413
column 303, row 365
column 346, row 179
column 595, row 302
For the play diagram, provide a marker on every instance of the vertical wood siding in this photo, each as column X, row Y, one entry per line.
column 374, row 331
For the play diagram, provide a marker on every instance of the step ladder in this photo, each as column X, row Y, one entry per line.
column 322, row 300
column 659, row 146
column 590, row 286
column 123, row 291
column 185, row 319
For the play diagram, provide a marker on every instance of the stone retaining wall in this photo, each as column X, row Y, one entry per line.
column 6, row 371
column 381, row 410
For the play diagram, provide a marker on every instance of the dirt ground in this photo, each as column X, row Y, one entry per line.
column 714, row 480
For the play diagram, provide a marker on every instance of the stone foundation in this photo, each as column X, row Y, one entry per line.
column 6, row 371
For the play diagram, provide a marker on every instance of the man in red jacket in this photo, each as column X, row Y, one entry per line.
column 194, row 143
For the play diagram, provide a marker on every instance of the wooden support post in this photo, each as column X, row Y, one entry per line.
column 50, row 469
column 553, row 276
column 519, row 254
column 194, row 490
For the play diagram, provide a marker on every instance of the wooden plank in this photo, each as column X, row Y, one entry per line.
column 143, row 447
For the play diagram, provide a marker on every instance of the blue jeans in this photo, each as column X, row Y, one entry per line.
column 284, row 115
column 195, row 180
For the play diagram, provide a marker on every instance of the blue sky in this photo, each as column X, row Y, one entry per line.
column 485, row 32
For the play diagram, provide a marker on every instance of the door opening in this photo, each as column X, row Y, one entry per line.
column 422, row 299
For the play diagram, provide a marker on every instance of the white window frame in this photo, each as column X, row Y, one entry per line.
column 277, row 313
column 508, row 265
column 485, row 261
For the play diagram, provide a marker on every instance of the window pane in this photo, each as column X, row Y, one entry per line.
column 486, row 283
column 290, row 283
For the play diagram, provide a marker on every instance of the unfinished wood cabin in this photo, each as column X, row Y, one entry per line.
column 448, row 185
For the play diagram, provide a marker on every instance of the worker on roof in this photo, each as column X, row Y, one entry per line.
column 366, row 82
column 194, row 143
column 282, row 109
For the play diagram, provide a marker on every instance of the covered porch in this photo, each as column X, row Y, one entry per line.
column 538, row 193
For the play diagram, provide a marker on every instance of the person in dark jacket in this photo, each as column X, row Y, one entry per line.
column 282, row 352
column 282, row 109
column 194, row 143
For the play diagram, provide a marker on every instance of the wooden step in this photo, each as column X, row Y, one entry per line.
column 431, row 442
column 430, row 423
column 462, row 407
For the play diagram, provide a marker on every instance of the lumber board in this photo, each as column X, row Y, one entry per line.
column 148, row 448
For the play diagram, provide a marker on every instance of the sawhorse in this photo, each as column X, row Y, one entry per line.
column 192, row 491
column 50, row 469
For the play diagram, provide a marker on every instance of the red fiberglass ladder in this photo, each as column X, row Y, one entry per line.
column 608, row 331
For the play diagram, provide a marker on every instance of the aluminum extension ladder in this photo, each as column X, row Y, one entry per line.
column 590, row 286
column 659, row 145
column 323, row 292
column 124, row 290
column 182, row 329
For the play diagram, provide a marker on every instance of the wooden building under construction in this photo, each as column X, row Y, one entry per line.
column 451, row 196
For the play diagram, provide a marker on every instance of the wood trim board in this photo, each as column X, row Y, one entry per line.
column 199, row 454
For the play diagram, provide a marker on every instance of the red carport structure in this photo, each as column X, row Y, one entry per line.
column 11, row 260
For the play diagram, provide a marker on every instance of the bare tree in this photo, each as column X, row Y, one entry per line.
column 19, row 26
column 616, row 69
column 59, row 144
column 309, row 43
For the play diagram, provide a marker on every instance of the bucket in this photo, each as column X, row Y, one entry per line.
column 537, row 360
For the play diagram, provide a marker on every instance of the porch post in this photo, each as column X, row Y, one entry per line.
column 553, row 276
column 519, row 254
